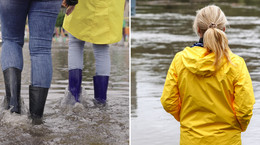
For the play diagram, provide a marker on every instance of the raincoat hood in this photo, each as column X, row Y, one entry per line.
column 199, row 61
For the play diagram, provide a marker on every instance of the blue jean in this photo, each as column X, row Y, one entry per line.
column 41, row 19
column 101, row 53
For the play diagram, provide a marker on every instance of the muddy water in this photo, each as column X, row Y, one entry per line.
column 159, row 30
column 82, row 123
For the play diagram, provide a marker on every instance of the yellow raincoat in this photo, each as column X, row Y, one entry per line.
column 96, row 21
column 213, row 107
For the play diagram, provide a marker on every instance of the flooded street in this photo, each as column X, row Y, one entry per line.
column 79, row 124
column 159, row 31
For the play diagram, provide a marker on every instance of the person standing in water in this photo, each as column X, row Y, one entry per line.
column 208, row 88
column 42, row 16
column 97, row 22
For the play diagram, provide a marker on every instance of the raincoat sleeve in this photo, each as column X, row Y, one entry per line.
column 170, row 98
column 243, row 97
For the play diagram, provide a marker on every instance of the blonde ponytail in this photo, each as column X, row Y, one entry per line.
column 211, row 22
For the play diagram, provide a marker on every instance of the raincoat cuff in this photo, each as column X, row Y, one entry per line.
column 71, row 2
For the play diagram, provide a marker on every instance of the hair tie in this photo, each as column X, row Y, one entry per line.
column 212, row 25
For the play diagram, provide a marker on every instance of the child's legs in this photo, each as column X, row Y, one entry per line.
column 13, row 17
column 75, row 54
column 75, row 58
column 42, row 18
column 102, row 57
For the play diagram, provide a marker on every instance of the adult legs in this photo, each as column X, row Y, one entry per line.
column 13, row 17
column 42, row 18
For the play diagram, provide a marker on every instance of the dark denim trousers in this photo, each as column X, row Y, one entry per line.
column 42, row 16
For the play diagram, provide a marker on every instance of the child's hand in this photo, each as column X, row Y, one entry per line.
column 64, row 4
column 69, row 10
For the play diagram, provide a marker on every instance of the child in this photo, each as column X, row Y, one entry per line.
column 208, row 88
column 100, row 23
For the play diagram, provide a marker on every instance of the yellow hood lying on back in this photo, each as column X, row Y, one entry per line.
column 199, row 61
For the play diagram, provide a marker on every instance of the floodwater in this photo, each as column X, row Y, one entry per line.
column 159, row 31
column 82, row 123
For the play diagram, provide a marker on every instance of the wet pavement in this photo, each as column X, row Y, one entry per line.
column 82, row 123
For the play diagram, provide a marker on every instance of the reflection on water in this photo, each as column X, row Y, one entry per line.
column 80, row 124
column 159, row 30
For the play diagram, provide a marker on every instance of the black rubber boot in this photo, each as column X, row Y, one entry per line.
column 37, row 97
column 12, row 78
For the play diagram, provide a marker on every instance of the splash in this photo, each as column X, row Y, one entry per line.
column 12, row 119
column 68, row 101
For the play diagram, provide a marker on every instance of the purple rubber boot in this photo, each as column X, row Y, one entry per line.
column 75, row 79
column 100, row 88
